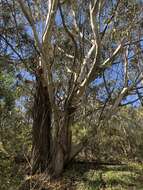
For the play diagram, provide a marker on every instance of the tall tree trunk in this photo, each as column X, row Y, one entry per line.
column 62, row 145
column 50, row 151
column 41, row 129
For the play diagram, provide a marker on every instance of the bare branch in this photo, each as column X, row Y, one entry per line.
column 86, row 60
column 68, row 31
column 96, row 46
column 49, row 21
column 74, row 19
column 126, row 69
column 27, row 13
column 110, row 20
column 111, row 59
column 125, row 91
column 66, row 54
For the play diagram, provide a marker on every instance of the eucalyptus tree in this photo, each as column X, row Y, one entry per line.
column 73, row 47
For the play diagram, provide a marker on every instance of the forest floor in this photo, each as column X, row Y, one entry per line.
column 108, row 177
column 88, row 176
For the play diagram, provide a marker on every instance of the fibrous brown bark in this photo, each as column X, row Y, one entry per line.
column 51, row 152
column 41, row 129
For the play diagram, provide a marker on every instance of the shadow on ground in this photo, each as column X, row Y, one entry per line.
column 91, row 176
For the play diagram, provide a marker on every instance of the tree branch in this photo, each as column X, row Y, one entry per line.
column 49, row 22
column 27, row 13
column 96, row 46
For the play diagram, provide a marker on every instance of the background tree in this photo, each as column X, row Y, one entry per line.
column 15, row 127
